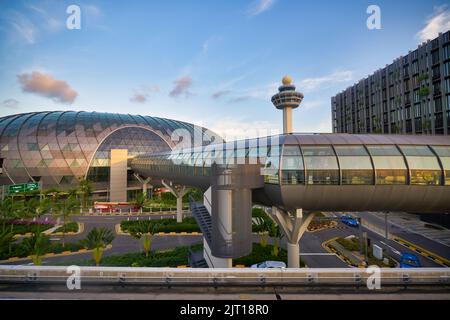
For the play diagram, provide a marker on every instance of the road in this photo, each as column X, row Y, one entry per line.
column 311, row 250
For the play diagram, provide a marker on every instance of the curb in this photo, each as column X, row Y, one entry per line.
column 343, row 258
column 423, row 252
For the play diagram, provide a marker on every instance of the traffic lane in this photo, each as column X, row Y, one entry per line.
column 413, row 237
column 314, row 254
column 395, row 249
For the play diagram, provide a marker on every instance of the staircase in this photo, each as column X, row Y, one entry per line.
column 203, row 219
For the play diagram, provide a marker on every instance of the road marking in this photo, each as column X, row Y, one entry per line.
column 392, row 248
column 318, row 254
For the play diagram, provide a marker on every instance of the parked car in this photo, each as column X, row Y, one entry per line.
column 409, row 260
column 270, row 264
column 350, row 221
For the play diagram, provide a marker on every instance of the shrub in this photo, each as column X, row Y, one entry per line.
column 68, row 227
column 163, row 225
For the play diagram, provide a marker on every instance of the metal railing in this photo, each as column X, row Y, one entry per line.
column 352, row 277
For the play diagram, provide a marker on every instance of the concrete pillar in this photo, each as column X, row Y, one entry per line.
column 118, row 176
column 144, row 183
column 178, row 192
column 287, row 120
column 293, row 226
column 212, row 261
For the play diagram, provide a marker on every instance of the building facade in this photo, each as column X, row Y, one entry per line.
column 60, row 147
column 409, row 96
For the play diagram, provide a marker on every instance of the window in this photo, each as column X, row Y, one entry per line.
column 389, row 165
column 292, row 166
column 444, row 155
column 272, row 165
column 356, row 167
column 423, row 165
column 321, row 165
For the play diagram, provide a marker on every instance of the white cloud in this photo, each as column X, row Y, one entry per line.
column 259, row 6
column 10, row 103
column 438, row 22
column 236, row 129
column 311, row 84
column 24, row 27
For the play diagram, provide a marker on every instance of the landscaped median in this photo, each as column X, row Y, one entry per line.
column 319, row 222
column 178, row 257
column 161, row 226
column 56, row 250
column 348, row 250
column 69, row 229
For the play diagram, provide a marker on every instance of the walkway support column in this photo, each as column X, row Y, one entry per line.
column 144, row 183
column 118, row 175
column 293, row 226
column 178, row 192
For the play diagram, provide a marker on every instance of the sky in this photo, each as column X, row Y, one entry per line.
column 212, row 63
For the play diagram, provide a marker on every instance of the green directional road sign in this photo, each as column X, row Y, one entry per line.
column 23, row 187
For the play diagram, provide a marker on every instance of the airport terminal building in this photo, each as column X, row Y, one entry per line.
column 58, row 148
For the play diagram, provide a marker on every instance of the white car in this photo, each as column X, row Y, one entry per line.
column 270, row 264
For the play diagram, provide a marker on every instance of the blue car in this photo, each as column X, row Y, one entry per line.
column 350, row 221
column 409, row 260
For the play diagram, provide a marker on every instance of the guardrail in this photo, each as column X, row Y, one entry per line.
column 224, row 277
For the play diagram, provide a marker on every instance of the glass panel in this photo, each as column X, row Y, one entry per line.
column 321, row 165
column 389, row 164
column 384, row 151
column 444, row 154
column 423, row 165
column 272, row 165
column 355, row 163
column 292, row 169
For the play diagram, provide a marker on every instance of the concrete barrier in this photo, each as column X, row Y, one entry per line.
column 225, row 277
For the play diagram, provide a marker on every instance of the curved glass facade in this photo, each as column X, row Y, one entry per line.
column 321, row 164
column 60, row 147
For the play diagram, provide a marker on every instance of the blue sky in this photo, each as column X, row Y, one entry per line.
column 213, row 63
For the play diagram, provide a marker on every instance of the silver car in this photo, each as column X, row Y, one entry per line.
column 270, row 264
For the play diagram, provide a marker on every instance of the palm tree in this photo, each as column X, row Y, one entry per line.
column 140, row 200
column 6, row 239
column 266, row 225
column 275, row 232
column 97, row 240
column 37, row 245
column 85, row 187
column 144, row 230
column 66, row 208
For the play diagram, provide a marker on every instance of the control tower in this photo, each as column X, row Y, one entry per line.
column 287, row 99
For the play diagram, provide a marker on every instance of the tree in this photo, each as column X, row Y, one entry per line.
column 37, row 245
column 265, row 225
column 85, row 187
column 145, row 231
column 6, row 239
column 66, row 208
column 97, row 240
column 140, row 200
column 275, row 232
